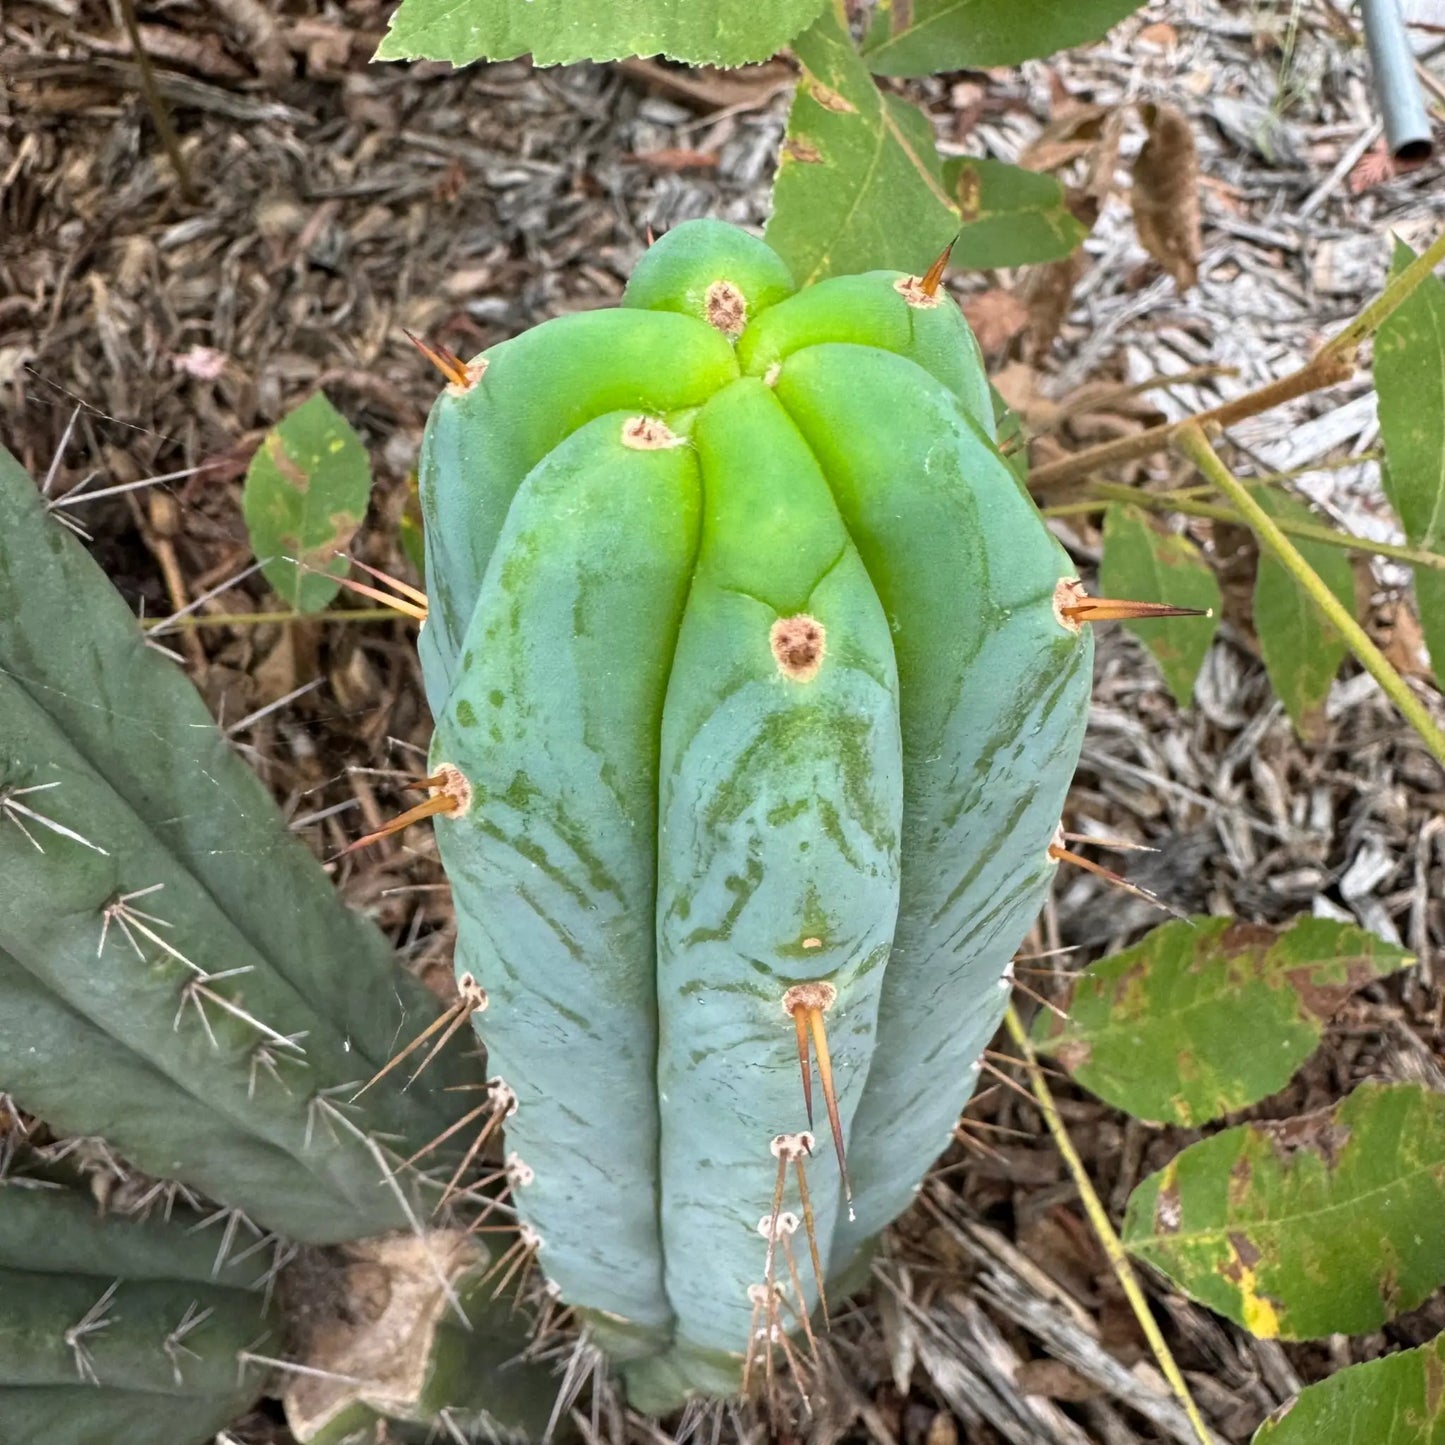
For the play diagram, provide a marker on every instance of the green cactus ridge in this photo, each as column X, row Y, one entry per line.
column 185, row 986
column 745, row 640
column 117, row 1329
column 162, row 926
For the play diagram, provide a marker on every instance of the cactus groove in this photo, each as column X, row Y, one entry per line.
column 744, row 636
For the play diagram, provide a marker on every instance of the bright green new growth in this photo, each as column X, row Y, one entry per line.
column 746, row 648
column 116, row 1329
column 190, row 987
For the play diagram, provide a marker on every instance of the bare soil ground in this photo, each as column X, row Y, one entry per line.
column 336, row 204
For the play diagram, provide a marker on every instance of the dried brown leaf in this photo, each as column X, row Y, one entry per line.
column 1376, row 165
column 1406, row 644
column 747, row 88
column 1049, row 291
column 1166, row 194
column 997, row 316
column 1054, row 1380
column 1074, row 131
column 1161, row 33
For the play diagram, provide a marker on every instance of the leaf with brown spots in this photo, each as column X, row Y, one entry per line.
column 1329, row 1227
column 859, row 184
column 1205, row 1017
column 1398, row 1400
column 1166, row 194
column 1009, row 216
column 306, row 492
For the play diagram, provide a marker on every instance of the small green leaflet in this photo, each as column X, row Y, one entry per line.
column 558, row 32
column 1302, row 651
column 1008, row 216
column 859, row 184
column 1397, row 1400
column 306, row 492
column 1202, row 1018
column 923, row 37
column 1143, row 564
column 1410, row 380
column 1320, row 1225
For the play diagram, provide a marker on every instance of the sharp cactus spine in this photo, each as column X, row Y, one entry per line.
column 749, row 647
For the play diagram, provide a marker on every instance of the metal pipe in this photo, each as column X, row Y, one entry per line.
column 1407, row 123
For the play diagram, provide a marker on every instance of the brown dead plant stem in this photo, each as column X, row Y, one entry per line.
column 1333, row 363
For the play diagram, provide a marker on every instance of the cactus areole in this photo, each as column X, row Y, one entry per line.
column 745, row 647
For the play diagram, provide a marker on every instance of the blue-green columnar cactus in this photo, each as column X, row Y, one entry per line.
column 118, row 1330
column 182, row 978
column 758, row 685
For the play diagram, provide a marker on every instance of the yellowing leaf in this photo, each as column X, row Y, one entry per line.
column 306, row 492
column 1324, row 1224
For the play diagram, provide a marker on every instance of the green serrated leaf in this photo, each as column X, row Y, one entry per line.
column 1399, row 1400
column 923, row 37
column 559, row 32
column 1302, row 651
column 1008, row 216
column 1324, row 1224
column 1143, row 564
column 1202, row 1018
column 1410, row 380
column 306, row 492
column 859, row 184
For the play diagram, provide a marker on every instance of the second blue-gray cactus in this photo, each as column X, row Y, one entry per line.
column 756, row 707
